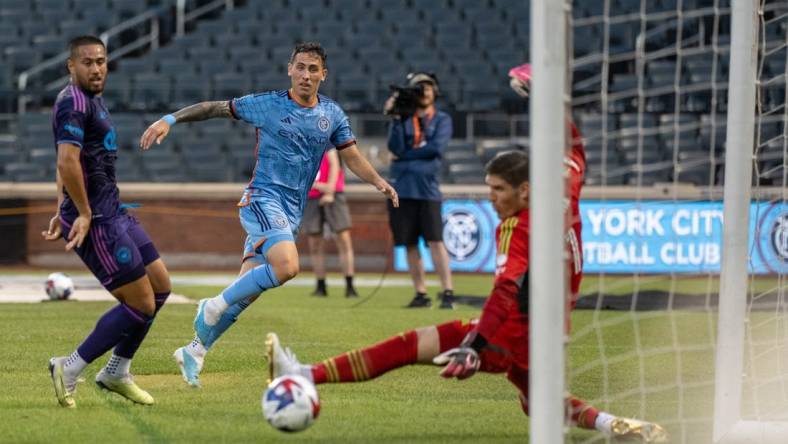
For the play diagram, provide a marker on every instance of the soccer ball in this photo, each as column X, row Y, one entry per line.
column 290, row 403
column 59, row 286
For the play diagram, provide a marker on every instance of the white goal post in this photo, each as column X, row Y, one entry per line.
column 652, row 94
column 546, row 253
column 729, row 426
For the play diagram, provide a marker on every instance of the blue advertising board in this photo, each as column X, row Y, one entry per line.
column 625, row 237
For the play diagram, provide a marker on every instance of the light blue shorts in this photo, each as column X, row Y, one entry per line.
column 266, row 224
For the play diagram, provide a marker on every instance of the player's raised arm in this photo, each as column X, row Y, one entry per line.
column 192, row 113
column 361, row 168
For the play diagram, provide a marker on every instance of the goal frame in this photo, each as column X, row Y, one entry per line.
column 729, row 427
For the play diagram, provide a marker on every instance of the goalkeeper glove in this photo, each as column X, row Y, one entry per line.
column 462, row 362
column 520, row 79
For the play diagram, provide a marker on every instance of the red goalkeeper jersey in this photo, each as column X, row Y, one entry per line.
column 509, row 298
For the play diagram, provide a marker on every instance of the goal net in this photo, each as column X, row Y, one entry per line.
column 654, row 93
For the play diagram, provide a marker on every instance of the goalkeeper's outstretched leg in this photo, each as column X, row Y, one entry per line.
column 419, row 346
column 583, row 415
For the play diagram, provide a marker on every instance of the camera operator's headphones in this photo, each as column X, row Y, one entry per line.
column 417, row 77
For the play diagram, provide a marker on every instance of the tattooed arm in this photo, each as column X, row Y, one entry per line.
column 192, row 113
column 203, row 111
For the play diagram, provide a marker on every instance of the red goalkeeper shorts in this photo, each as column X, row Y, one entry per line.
column 509, row 345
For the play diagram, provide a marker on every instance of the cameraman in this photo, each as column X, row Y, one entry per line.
column 418, row 135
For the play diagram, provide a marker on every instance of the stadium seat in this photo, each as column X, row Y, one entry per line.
column 100, row 17
column 269, row 81
column 10, row 14
column 626, row 6
column 481, row 94
column 491, row 148
column 150, row 92
column 20, row 58
column 467, row 173
column 190, row 89
column 648, row 177
column 630, row 122
column 622, row 36
column 212, row 128
column 73, row 28
column 175, row 67
column 25, row 172
column 9, row 155
column 693, row 171
column 230, row 85
column 209, row 68
column 354, row 92
column 230, row 40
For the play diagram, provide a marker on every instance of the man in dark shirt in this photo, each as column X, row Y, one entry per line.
column 417, row 143
column 109, row 241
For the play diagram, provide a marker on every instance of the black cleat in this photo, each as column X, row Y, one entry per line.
column 447, row 300
column 320, row 292
column 350, row 292
column 420, row 301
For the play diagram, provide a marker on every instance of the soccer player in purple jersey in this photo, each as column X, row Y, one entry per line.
column 295, row 127
column 110, row 242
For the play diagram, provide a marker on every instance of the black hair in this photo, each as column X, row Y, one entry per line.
column 511, row 166
column 313, row 47
column 83, row 40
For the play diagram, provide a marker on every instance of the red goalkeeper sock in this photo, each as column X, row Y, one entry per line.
column 577, row 411
column 370, row 362
column 581, row 413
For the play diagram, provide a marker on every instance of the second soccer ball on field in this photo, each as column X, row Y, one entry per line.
column 59, row 286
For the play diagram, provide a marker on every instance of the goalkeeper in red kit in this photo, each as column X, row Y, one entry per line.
column 498, row 341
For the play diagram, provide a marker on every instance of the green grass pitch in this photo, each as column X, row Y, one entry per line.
column 409, row 405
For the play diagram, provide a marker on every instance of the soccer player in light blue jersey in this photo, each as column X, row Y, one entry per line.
column 294, row 129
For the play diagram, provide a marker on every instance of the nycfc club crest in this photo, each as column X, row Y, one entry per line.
column 123, row 255
column 323, row 124
column 461, row 234
column 280, row 221
column 779, row 237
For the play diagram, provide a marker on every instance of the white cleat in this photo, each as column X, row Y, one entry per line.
column 190, row 365
column 64, row 386
column 124, row 386
column 642, row 431
column 281, row 361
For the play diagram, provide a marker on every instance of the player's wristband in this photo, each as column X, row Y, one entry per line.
column 169, row 118
column 475, row 341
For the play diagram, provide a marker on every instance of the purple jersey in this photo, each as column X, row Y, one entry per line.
column 82, row 119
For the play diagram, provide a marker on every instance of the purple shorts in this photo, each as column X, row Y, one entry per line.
column 116, row 250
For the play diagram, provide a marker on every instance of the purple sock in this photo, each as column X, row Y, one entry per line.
column 129, row 345
column 116, row 324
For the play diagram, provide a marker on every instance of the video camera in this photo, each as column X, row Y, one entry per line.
column 406, row 98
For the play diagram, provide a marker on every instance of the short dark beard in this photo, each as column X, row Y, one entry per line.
column 87, row 87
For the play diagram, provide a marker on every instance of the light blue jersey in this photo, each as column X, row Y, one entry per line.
column 291, row 141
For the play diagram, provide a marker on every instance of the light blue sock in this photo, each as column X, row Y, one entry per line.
column 254, row 282
column 228, row 319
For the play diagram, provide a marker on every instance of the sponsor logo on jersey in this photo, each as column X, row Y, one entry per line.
column 76, row 131
column 298, row 137
column 779, row 237
column 110, row 140
column 323, row 124
column 461, row 234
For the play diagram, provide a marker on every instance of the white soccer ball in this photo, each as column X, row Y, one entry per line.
column 59, row 286
column 290, row 403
